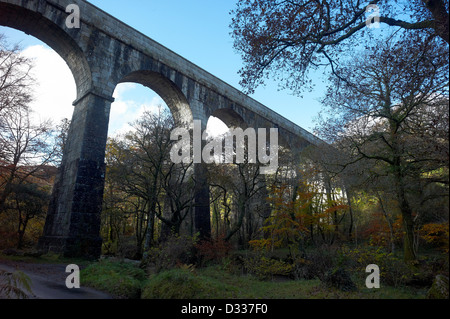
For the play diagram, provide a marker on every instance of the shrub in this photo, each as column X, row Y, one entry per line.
column 437, row 235
column 234, row 263
column 339, row 278
column 175, row 251
column 8, row 238
column 317, row 263
column 185, row 284
column 393, row 270
column 120, row 279
column 127, row 248
column 212, row 250
column 266, row 268
column 303, row 269
column 439, row 289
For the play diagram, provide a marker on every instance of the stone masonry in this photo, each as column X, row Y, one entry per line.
column 102, row 53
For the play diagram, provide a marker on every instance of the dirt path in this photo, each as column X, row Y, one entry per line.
column 48, row 281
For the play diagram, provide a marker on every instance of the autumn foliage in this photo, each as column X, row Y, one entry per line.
column 294, row 219
column 377, row 232
column 436, row 234
column 213, row 249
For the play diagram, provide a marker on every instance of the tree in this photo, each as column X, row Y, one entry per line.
column 29, row 201
column 25, row 149
column 300, row 211
column 15, row 80
column 61, row 133
column 126, row 200
column 239, row 187
column 290, row 38
column 386, row 109
column 145, row 183
column 249, row 184
column 135, row 162
column 178, row 185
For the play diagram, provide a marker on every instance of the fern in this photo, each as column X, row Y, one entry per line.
column 14, row 285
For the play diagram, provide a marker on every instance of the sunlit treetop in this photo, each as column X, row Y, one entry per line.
column 287, row 39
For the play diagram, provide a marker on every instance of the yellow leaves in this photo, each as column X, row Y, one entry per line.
column 436, row 233
column 295, row 212
column 264, row 244
column 266, row 268
column 335, row 208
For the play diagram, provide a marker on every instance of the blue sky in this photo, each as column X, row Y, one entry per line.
column 199, row 31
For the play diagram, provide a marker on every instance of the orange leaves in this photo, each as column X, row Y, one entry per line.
column 294, row 213
column 214, row 249
column 379, row 233
column 263, row 244
column 335, row 208
column 437, row 234
column 286, row 224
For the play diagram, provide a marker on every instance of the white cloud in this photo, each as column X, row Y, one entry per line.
column 122, row 88
column 56, row 92
column 216, row 127
column 125, row 111
column 56, row 89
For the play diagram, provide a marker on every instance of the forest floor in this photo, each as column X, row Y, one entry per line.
column 220, row 283
column 48, row 280
column 107, row 279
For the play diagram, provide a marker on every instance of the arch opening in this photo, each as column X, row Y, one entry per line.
column 44, row 119
column 38, row 25
column 230, row 118
column 169, row 207
column 54, row 88
column 131, row 101
column 167, row 90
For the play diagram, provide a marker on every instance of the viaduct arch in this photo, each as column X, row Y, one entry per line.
column 101, row 53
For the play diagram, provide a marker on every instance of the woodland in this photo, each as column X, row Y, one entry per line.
column 375, row 192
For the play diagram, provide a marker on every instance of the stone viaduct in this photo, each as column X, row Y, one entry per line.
column 102, row 53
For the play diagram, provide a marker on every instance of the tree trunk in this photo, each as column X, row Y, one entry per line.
column 249, row 224
column 350, row 210
column 331, row 202
column 398, row 173
column 150, row 230
column 408, row 223
column 7, row 190
column 440, row 15
column 241, row 214
column 389, row 222
column 202, row 215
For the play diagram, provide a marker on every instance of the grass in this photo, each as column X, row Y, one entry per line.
column 49, row 258
column 125, row 280
column 250, row 287
column 186, row 284
column 118, row 278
